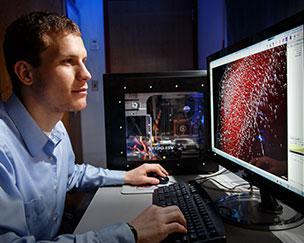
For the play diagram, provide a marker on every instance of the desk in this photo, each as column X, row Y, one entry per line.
column 110, row 206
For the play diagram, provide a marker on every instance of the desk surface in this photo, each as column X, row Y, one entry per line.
column 110, row 206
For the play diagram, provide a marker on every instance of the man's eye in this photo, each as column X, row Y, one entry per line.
column 68, row 61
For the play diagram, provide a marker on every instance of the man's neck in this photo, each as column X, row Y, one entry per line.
column 44, row 117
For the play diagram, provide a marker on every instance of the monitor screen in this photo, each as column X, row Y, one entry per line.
column 160, row 119
column 257, row 106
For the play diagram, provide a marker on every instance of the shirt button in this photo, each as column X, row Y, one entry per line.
column 55, row 187
column 50, row 157
column 55, row 218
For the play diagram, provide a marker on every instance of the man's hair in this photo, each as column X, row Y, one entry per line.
column 27, row 37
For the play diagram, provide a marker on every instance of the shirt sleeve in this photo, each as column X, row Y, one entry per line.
column 116, row 233
column 84, row 177
column 13, row 224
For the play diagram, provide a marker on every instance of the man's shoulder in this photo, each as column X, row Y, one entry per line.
column 8, row 141
column 5, row 131
column 4, row 120
column 6, row 126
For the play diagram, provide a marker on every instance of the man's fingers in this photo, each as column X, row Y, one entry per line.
column 157, row 168
column 151, row 180
column 175, row 227
column 162, row 169
column 178, row 217
column 170, row 209
column 174, row 214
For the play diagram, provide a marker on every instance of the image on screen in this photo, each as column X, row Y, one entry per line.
column 251, row 118
column 164, row 126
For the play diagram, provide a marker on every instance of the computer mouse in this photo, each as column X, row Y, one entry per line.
column 162, row 179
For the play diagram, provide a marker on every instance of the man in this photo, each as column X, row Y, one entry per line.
column 45, row 58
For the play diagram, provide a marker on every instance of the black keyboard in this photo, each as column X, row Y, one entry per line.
column 204, row 224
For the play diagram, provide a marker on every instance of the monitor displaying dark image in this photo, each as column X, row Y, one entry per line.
column 157, row 118
column 257, row 119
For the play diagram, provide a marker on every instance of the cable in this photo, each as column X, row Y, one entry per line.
column 203, row 179
column 220, row 172
column 223, row 171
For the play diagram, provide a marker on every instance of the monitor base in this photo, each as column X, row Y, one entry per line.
column 246, row 210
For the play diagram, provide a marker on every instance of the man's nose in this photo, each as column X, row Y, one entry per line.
column 84, row 73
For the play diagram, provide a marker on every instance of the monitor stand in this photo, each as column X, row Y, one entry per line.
column 258, row 211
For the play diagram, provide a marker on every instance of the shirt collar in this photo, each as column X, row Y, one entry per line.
column 33, row 137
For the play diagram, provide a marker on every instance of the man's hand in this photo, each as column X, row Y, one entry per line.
column 139, row 175
column 155, row 223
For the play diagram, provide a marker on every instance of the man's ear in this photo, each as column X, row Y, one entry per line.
column 24, row 72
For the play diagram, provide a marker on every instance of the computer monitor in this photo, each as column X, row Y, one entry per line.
column 157, row 118
column 257, row 120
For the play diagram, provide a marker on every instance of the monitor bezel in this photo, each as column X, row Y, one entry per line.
column 285, row 195
column 116, row 85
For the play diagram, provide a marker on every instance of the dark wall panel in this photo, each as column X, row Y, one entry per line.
column 247, row 17
column 150, row 35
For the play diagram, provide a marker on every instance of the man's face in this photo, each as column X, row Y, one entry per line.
column 60, row 82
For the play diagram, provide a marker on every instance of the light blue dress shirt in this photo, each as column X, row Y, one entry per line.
column 36, row 171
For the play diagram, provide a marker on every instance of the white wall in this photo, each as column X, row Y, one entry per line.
column 89, row 16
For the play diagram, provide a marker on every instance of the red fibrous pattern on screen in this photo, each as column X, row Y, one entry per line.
column 252, row 103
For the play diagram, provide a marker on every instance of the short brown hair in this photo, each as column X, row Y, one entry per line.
column 25, row 39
